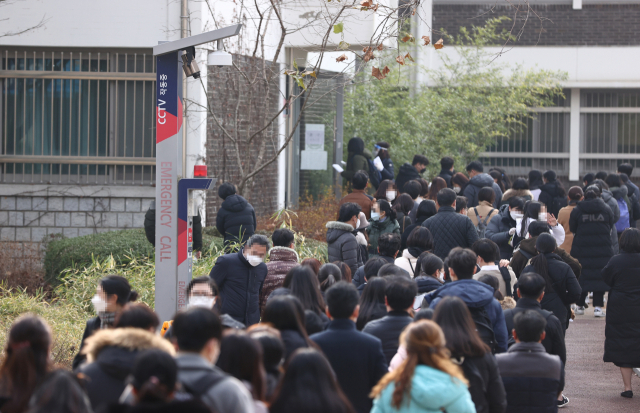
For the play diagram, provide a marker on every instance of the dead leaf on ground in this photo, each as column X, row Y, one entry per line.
column 427, row 40
column 400, row 60
column 408, row 57
column 342, row 58
column 439, row 44
column 375, row 72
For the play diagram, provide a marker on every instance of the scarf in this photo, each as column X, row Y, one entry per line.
column 415, row 251
column 106, row 319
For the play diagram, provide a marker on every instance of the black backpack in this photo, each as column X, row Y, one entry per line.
column 484, row 327
column 482, row 224
column 200, row 388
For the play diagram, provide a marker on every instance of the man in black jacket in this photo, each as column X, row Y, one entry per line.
column 356, row 358
column 399, row 296
column 239, row 277
column 532, row 378
column 446, row 171
column 409, row 172
column 530, row 291
column 449, row 229
column 236, row 219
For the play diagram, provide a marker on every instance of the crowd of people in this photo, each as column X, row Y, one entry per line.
column 453, row 296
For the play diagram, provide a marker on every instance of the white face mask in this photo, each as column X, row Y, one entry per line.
column 203, row 302
column 99, row 304
column 515, row 215
column 391, row 195
column 375, row 216
column 254, row 260
column 457, row 189
column 441, row 276
column 542, row 216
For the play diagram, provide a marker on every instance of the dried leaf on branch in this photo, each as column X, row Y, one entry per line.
column 439, row 44
column 400, row 60
column 375, row 72
column 408, row 57
column 342, row 58
column 380, row 46
column 368, row 53
column 427, row 40
column 408, row 38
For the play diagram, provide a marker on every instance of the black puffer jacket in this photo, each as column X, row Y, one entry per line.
column 406, row 173
column 474, row 186
column 566, row 289
column 498, row 231
column 622, row 332
column 236, row 216
column 450, row 230
column 446, row 175
column 93, row 325
column 111, row 355
column 553, row 196
column 240, row 284
column 342, row 245
column 388, row 330
column 485, row 383
column 427, row 283
column 591, row 221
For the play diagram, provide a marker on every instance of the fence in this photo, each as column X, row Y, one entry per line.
column 77, row 116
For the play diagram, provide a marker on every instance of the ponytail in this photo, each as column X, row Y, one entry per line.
column 386, row 208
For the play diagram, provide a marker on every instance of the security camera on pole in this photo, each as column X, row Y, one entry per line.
column 173, row 215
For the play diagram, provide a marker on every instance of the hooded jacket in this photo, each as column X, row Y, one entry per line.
column 609, row 199
column 553, row 196
column 450, row 230
column 432, row 391
column 377, row 228
column 110, row 359
column 407, row 262
column 342, row 245
column 475, row 295
column 406, row 173
column 532, row 378
column 520, row 260
column 591, row 222
column 621, row 194
column 566, row 289
column 240, row 284
column 281, row 260
column 622, row 332
column 513, row 193
column 474, row 186
column 446, row 175
column 498, row 231
column 236, row 217
column 634, row 197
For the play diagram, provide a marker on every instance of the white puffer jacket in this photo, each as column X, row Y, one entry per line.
column 407, row 262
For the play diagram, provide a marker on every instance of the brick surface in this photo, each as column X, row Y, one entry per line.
column 39, row 203
column 85, row 231
column 78, row 219
column 132, row 205
column 86, row 204
column 138, row 220
column 116, row 205
column 23, row 234
column 16, row 218
column 38, row 234
column 53, row 231
column 101, row 204
column 63, row 219
column 48, row 219
column 146, row 203
column 8, row 203
column 554, row 25
column 70, row 232
column 94, row 219
column 23, row 203
column 109, row 220
column 4, row 218
column 70, row 204
column 32, row 218
column 125, row 220
column 7, row 234
column 55, row 203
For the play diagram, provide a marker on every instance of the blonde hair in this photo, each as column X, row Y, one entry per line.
column 425, row 344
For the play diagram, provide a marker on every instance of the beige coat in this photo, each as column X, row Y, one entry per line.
column 483, row 209
column 563, row 219
column 494, row 271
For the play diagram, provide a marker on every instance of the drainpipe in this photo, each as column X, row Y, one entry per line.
column 184, row 32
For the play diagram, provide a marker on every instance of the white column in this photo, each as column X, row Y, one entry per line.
column 574, row 136
column 282, row 130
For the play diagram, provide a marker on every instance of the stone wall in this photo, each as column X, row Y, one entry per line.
column 29, row 214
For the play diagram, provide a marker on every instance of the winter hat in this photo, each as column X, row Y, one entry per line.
column 363, row 221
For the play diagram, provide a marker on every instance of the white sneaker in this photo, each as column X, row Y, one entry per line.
column 636, row 371
column 597, row 312
column 579, row 310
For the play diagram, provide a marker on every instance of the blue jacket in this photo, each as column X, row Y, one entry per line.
column 356, row 358
column 387, row 172
column 432, row 391
column 475, row 294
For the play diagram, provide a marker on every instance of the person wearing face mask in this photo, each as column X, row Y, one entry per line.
column 459, row 182
column 358, row 194
column 502, row 227
column 342, row 243
column 536, row 211
column 240, row 277
column 411, row 171
column 382, row 150
column 386, row 190
column 430, row 270
column 197, row 335
column 383, row 221
column 112, row 294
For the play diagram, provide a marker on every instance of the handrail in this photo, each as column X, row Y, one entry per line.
column 78, row 160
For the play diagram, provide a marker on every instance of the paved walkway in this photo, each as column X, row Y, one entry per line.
column 592, row 385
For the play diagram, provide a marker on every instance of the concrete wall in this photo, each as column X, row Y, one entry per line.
column 29, row 214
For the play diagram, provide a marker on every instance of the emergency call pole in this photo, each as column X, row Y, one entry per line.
column 173, row 223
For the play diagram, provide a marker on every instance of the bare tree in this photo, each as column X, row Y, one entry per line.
column 20, row 31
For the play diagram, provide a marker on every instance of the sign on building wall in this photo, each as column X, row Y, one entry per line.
column 313, row 157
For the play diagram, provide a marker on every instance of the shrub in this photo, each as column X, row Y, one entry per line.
column 123, row 246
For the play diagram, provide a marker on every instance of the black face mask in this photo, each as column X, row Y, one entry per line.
column 421, row 171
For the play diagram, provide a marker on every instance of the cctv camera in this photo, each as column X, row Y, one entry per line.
column 219, row 57
column 189, row 64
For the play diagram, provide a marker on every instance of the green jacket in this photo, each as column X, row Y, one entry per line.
column 377, row 228
column 356, row 163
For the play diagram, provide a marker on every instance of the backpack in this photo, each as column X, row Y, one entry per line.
column 484, row 327
column 200, row 388
column 623, row 222
column 375, row 177
column 482, row 225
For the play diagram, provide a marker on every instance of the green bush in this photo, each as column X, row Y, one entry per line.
column 123, row 246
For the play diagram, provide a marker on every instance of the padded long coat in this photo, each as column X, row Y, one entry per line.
column 622, row 332
column 342, row 245
column 236, row 219
column 590, row 222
